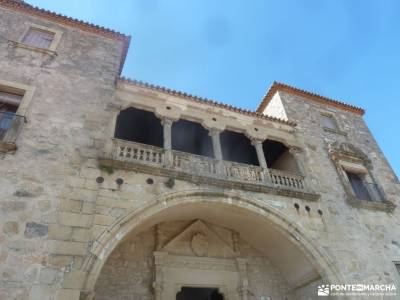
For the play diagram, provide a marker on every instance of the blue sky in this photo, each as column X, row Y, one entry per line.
column 232, row 50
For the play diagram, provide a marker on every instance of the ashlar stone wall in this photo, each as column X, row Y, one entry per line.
column 365, row 241
column 39, row 240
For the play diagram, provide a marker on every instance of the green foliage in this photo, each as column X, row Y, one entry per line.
column 107, row 169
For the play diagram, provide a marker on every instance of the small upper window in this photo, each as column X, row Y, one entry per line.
column 329, row 121
column 397, row 264
column 38, row 38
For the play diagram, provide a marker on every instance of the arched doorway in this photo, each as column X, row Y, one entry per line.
column 269, row 233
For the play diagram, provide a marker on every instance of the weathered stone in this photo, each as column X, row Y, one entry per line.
column 48, row 275
column 73, row 219
column 12, row 206
column 40, row 293
column 33, row 229
column 67, row 294
column 67, row 248
column 74, row 280
column 70, row 205
column 24, row 193
column 57, row 232
column 81, row 235
column 11, row 228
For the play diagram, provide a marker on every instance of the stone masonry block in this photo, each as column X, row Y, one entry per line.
column 70, row 205
column 67, row 248
column 65, row 294
column 57, row 232
column 73, row 219
column 74, row 279
column 83, row 194
column 81, row 234
column 48, row 275
column 90, row 173
column 103, row 220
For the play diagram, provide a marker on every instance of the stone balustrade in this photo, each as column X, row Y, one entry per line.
column 189, row 165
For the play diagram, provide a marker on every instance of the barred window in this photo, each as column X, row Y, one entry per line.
column 9, row 103
column 38, row 38
column 9, row 99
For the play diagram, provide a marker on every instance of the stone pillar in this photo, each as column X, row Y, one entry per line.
column 167, row 137
column 261, row 159
column 215, row 136
column 295, row 151
column 244, row 281
column 260, row 153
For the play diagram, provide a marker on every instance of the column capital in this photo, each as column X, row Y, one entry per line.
column 167, row 121
column 214, row 131
column 256, row 142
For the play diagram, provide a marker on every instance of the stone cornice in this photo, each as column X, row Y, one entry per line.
column 200, row 179
column 204, row 100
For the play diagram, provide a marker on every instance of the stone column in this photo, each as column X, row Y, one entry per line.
column 215, row 136
column 260, row 153
column 244, row 281
column 261, row 159
column 215, row 133
column 167, row 136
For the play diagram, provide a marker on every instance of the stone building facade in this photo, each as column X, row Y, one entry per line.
column 116, row 189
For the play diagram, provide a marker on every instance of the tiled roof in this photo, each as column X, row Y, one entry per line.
column 277, row 86
column 28, row 9
column 205, row 101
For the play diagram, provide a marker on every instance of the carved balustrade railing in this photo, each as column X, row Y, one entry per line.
column 195, row 164
column 287, row 180
column 137, row 152
column 132, row 152
column 243, row 172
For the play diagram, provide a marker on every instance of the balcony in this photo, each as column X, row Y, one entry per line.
column 10, row 125
column 201, row 169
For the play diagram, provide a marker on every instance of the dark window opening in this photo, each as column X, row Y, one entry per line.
column 192, row 293
column 359, row 186
column 139, row 126
column 192, row 138
column 237, row 147
column 9, row 103
column 278, row 157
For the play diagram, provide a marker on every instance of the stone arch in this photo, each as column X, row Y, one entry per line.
column 109, row 239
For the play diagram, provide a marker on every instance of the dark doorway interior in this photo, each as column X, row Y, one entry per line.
column 191, row 137
column 278, row 157
column 140, row 126
column 192, row 293
column 237, row 147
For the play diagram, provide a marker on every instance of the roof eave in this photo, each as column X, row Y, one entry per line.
column 205, row 101
column 277, row 86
